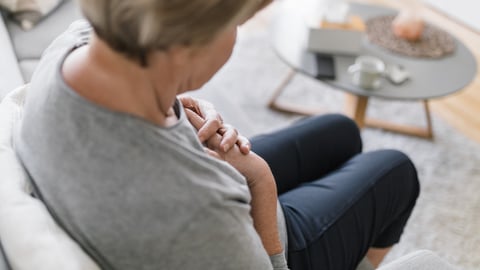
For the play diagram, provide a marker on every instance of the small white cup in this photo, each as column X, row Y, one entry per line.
column 367, row 72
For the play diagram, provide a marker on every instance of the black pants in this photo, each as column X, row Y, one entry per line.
column 337, row 201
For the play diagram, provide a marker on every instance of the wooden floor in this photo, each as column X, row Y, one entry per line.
column 461, row 110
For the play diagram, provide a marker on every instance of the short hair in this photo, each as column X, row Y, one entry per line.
column 138, row 27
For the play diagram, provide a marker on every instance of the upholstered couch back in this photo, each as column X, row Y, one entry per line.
column 21, row 50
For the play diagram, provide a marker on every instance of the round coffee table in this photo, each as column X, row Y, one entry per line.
column 429, row 78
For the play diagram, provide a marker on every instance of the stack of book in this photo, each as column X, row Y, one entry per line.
column 341, row 34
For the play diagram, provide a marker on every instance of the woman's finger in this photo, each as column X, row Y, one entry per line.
column 213, row 120
column 209, row 129
column 229, row 137
column 189, row 103
column 214, row 141
column 244, row 144
column 194, row 119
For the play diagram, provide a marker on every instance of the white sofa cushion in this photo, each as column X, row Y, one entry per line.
column 30, row 237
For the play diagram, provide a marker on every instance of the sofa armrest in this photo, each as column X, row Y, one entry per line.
column 10, row 75
column 419, row 260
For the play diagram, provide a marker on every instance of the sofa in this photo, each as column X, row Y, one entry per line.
column 20, row 52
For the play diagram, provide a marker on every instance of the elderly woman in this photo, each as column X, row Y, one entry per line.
column 143, row 178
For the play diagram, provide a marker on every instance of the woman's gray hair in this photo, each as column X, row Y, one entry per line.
column 137, row 27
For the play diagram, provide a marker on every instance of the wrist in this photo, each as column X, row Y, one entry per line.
column 253, row 167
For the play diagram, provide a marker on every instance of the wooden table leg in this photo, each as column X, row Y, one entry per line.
column 422, row 132
column 356, row 107
column 278, row 91
column 429, row 131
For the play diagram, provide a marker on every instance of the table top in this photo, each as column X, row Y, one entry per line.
column 429, row 78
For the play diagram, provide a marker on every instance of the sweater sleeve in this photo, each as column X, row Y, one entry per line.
column 220, row 238
column 279, row 261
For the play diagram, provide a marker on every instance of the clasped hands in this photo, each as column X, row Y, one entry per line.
column 222, row 140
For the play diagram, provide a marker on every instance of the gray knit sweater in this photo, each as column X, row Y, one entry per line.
column 134, row 195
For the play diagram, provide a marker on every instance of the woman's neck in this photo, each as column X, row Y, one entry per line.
column 110, row 80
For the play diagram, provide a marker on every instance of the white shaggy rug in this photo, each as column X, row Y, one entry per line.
column 447, row 216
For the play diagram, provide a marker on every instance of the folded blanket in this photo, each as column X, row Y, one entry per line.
column 30, row 237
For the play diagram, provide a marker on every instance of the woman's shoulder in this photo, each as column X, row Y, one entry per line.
column 77, row 34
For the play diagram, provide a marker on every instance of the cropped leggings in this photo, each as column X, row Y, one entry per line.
column 337, row 201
